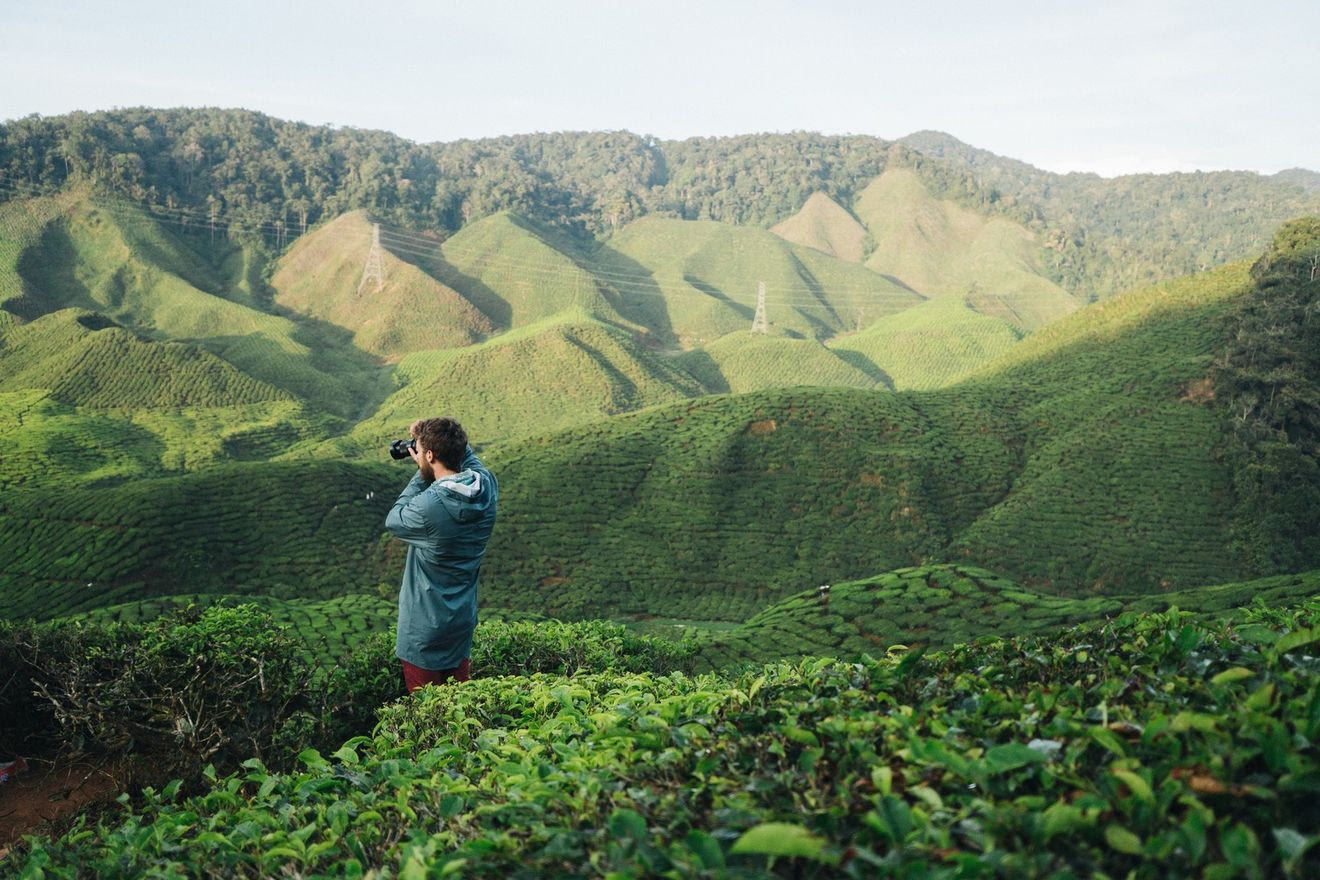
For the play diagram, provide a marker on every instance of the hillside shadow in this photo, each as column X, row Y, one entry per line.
column 640, row 300
column 49, row 282
column 743, row 311
column 702, row 367
column 496, row 309
column 864, row 364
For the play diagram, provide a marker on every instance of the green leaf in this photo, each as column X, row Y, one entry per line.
column 1138, row 786
column 780, row 839
column 1122, row 840
column 1298, row 638
column 705, row 848
column 625, row 823
column 1109, row 740
column 1292, row 843
column 1012, row 756
column 1061, row 818
column 1185, row 721
column 1228, row 676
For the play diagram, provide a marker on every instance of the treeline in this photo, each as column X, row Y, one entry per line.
column 1269, row 377
column 256, row 176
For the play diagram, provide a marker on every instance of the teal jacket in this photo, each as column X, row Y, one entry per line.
column 446, row 525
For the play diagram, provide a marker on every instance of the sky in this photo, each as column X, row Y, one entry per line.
column 1107, row 86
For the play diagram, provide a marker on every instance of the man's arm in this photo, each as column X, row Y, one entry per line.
column 405, row 520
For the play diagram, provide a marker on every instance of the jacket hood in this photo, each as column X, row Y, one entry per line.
column 465, row 494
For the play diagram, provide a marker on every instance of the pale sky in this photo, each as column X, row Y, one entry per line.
column 1111, row 86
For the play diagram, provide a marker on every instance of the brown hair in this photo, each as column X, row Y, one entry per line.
column 446, row 439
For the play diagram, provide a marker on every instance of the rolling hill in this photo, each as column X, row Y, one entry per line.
column 541, row 378
column 696, row 281
column 322, row 271
column 825, row 225
column 931, row 345
column 940, row 249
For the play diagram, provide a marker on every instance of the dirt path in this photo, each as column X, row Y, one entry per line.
column 53, row 790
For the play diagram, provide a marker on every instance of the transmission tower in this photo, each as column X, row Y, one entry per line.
column 759, row 323
column 375, row 268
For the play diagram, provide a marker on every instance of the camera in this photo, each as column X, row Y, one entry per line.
column 402, row 448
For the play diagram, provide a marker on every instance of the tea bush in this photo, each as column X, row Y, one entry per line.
column 1147, row 747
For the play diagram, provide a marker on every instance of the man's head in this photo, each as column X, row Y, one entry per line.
column 444, row 440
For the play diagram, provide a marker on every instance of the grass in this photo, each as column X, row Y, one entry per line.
column 696, row 281
column 931, row 345
column 940, row 249
column 320, row 276
column 745, row 361
column 823, row 224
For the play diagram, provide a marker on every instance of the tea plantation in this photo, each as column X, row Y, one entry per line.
column 1150, row 746
column 938, row 606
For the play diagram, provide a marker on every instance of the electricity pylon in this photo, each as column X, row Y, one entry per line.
column 759, row 323
column 375, row 268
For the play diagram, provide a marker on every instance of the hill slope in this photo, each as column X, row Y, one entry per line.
column 320, row 276
column 696, row 281
column 744, row 361
column 117, row 262
column 939, row 248
column 535, row 380
column 930, row 345
column 825, row 225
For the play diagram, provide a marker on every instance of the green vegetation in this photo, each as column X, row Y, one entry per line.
column 538, row 379
column 940, row 606
column 1149, row 747
column 697, row 281
column 826, row 226
column 931, row 345
column 321, row 274
column 262, row 179
column 744, row 361
column 941, row 249
column 1268, row 378
column 309, row 529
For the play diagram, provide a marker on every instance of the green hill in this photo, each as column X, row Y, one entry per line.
column 939, row 249
column 943, row 605
column 930, row 345
column 83, row 359
column 515, row 270
column 322, row 271
column 117, row 262
column 696, row 281
column 823, row 224
column 744, row 361
column 304, row 528
column 535, row 380
column 1088, row 463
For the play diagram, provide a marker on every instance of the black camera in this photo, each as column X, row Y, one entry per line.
column 402, row 448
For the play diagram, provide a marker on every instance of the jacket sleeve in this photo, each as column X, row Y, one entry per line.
column 405, row 520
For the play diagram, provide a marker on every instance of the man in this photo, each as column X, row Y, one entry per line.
column 445, row 515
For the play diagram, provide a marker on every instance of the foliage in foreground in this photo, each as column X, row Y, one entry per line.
column 1149, row 746
column 222, row 684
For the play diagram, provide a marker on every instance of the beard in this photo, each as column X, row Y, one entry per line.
column 428, row 472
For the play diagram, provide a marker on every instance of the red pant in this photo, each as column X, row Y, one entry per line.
column 415, row 676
